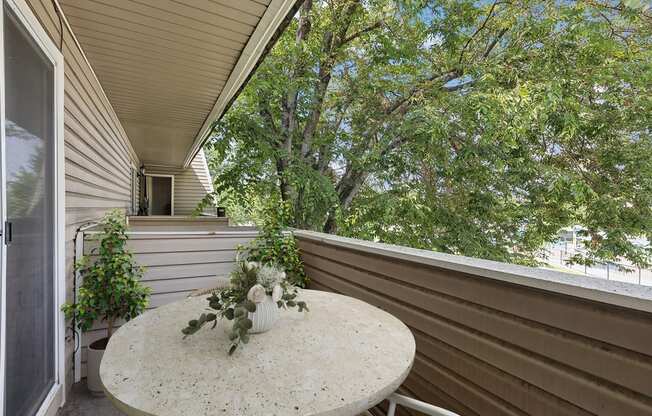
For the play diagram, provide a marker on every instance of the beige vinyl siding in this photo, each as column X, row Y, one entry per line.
column 98, row 155
column 190, row 185
column 176, row 264
column 178, row 223
column 491, row 347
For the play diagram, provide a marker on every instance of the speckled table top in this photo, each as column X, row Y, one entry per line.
column 342, row 357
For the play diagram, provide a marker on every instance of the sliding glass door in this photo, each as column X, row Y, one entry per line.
column 30, row 232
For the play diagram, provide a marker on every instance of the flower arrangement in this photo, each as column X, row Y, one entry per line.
column 251, row 285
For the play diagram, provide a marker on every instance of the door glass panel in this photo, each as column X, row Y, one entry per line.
column 29, row 132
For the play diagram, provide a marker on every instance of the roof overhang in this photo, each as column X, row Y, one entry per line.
column 171, row 68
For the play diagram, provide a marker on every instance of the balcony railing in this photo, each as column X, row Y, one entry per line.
column 492, row 338
column 500, row 339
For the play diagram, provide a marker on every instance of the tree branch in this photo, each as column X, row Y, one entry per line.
column 361, row 32
column 478, row 30
column 494, row 42
column 442, row 77
column 266, row 114
column 330, row 45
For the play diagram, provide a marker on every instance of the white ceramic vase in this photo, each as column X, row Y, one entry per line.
column 265, row 317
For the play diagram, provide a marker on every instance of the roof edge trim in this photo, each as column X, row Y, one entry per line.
column 271, row 25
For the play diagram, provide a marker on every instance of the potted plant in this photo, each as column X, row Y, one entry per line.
column 110, row 291
column 251, row 302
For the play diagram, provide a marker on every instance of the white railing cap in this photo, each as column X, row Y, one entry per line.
column 626, row 295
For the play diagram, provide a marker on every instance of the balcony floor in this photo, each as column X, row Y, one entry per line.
column 81, row 403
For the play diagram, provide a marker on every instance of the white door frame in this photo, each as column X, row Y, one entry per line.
column 56, row 396
column 149, row 190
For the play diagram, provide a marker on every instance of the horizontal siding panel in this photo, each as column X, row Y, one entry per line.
column 74, row 200
column 628, row 330
column 89, row 154
column 596, row 397
column 96, row 125
column 160, row 299
column 77, row 168
column 77, row 186
column 492, row 348
column 92, row 96
column 180, row 285
column 192, row 243
column 192, row 185
column 629, row 369
column 497, row 382
column 187, row 271
column 188, row 257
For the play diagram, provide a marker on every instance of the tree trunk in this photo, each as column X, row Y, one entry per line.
column 347, row 189
column 289, row 107
column 284, row 185
column 288, row 117
column 331, row 224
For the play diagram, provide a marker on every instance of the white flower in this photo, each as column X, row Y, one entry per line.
column 256, row 294
column 277, row 293
column 252, row 265
column 270, row 276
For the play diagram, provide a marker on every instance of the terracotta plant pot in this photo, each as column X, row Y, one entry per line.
column 95, row 353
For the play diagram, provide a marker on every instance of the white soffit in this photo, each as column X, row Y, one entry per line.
column 170, row 67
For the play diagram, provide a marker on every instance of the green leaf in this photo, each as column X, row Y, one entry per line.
column 246, row 324
column 250, row 306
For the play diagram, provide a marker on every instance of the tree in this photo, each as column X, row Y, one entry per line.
column 475, row 128
column 111, row 289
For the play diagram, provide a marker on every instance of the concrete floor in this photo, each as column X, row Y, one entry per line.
column 81, row 403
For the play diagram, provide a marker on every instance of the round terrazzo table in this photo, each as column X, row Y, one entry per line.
column 339, row 359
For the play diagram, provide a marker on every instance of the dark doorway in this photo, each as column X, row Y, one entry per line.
column 159, row 189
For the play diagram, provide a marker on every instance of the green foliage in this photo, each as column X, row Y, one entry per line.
column 473, row 128
column 234, row 304
column 111, row 288
column 273, row 245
